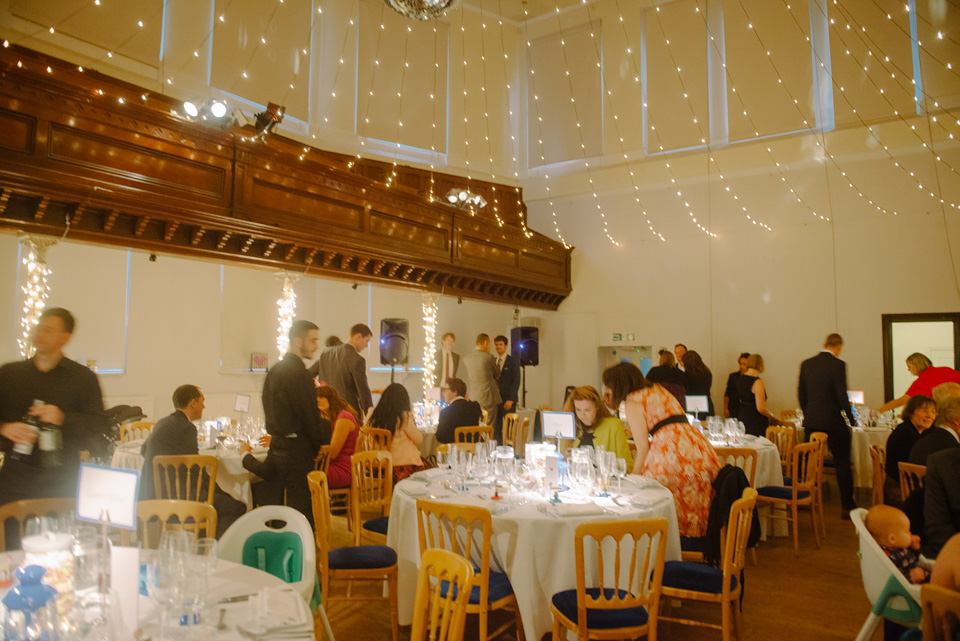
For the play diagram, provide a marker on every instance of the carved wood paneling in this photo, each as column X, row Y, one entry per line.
column 130, row 173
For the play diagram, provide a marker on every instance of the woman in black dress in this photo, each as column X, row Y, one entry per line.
column 697, row 378
column 753, row 399
column 918, row 416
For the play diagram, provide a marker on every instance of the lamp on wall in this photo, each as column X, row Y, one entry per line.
column 422, row 9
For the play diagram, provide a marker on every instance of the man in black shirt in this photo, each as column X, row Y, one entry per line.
column 293, row 421
column 70, row 403
column 176, row 435
column 731, row 403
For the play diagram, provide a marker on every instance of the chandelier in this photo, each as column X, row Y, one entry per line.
column 422, row 9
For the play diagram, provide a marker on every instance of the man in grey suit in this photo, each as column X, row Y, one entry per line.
column 345, row 370
column 482, row 373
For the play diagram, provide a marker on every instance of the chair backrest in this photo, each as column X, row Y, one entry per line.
column 941, row 613
column 911, row 478
column 520, row 449
column 640, row 546
column 441, row 613
column 445, row 447
column 322, row 461
column 788, row 414
column 743, row 457
column 785, row 438
column 371, row 485
column 23, row 510
column 877, row 570
column 511, row 422
column 135, row 430
column 462, row 529
column 192, row 516
column 484, row 417
column 821, row 438
column 373, row 439
column 738, row 531
column 878, row 455
column 806, row 466
column 188, row 477
column 472, row 434
column 272, row 529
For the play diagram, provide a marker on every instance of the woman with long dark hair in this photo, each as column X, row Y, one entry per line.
column 395, row 413
column 697, row 378
column 343, row 441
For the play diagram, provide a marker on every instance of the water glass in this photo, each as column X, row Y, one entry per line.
column 620, row 471
column 442, row 459
column 205, row 552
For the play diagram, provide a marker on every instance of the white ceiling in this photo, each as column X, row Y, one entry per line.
column 520, row 10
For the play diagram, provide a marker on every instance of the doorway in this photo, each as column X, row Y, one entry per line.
column 935, row 335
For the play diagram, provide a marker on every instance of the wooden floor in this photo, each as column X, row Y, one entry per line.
column 816, row 596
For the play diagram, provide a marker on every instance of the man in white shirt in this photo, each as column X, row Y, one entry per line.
column 447, row 361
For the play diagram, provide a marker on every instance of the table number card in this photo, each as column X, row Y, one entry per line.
column 110, row 491
column 243, row 404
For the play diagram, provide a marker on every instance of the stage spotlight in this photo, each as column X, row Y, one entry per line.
column 191, row 109
column 218, row 109
column 270, row 118
column 465, row 199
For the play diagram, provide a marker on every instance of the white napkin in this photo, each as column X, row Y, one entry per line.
column 577, row 509
column 284, row 613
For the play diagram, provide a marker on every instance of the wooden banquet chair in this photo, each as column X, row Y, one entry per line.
column 878, row 456
column 627, row 607
column 484, row 417
column 183, row 477
column 785, row 438
column 515, row 434
column 802, row 491
column 941, row 613
column 191, row 516
column 441, row 612
column 743, row 457
column 911, row 478
column 445, row 447
column 339, row 497
column 821, row 438
column 21, row 511
column 373, row 439
column 467, row 530
column 698, row 582
column 371, row 488
column 472, row 434
column 367, row 563
column 135, row 430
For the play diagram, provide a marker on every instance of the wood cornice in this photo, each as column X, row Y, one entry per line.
column 100, row 160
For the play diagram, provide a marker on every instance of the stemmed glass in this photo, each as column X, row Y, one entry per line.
column 620, row 470
column 604, row 460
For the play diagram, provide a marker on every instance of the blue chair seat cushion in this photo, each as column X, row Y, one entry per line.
column 566, row 603
column 498, row 588
column 378, row 525
column 362, row 557
column 784, row 493
column 693, row 543
column 697, row 577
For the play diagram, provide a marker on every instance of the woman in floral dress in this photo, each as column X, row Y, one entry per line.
column 674, row 453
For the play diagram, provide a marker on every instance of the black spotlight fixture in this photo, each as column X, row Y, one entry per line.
column 267, row 120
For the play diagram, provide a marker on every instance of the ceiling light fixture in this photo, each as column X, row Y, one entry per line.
column 422, row 9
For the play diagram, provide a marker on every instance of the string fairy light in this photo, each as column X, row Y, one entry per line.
column 495, row 205
column 429, row 304
column 539, row 116
column 373, row 78
column 286, row 309
column 35, row 288
column 583, row 148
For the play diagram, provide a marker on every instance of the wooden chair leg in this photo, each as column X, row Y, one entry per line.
column 520, row 635
column 796, row 535
column 737, row 620
column 484, row 614
column 394, row 607
column 557, row 629
column 725, row 621
column 753, row 556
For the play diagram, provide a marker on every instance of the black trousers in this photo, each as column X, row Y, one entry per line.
column 284, row 472
column 839, row 441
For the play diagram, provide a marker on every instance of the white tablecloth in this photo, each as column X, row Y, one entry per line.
column 860, row 454
column 232, row 477
column 534, row 549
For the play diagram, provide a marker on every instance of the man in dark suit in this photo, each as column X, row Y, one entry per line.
column 823, row 398
column 447, row 362
column 345, row 370
column 941, row 506
column 176, row 435
column 459, row 412
column 509, row 383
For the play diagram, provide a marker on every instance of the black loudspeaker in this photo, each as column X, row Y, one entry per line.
column 525, row 343
column 394, row 341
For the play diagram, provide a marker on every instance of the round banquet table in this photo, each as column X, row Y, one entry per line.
column 232, row 477
column 769, row 472
column 532, row 543
column 862, row 440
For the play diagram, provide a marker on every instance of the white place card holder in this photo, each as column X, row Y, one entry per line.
column 243, row 404
column 697, row 404
column 108, row 491
column 855, row 397
column 124, row 590
column 558, row 425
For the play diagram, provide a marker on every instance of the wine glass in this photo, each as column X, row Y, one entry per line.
column 205, row 552
column 620, row 471
column 162, row 584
